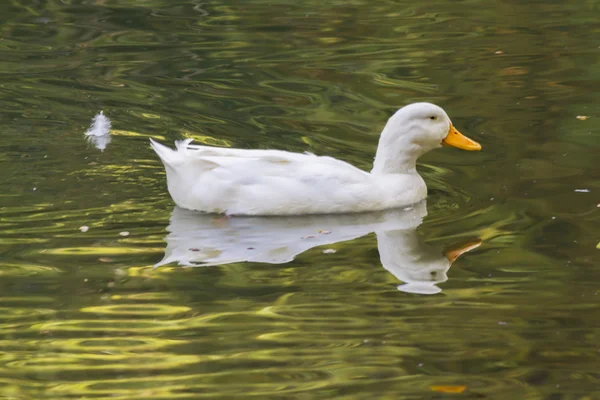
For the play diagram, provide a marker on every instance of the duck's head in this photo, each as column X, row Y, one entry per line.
column 413, row 131
column 428, row 126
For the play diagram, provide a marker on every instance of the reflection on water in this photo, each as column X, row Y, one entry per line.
column 197, row 239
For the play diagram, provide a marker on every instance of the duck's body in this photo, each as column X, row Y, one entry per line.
column 274, row 182
column 271, row 182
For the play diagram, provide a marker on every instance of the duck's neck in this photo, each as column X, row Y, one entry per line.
column 396, row 154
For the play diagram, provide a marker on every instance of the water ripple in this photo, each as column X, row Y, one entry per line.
column 84, row 314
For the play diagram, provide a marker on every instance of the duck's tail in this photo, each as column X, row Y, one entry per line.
column 168, row 156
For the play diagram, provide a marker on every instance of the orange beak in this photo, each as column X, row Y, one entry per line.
column 458, row 140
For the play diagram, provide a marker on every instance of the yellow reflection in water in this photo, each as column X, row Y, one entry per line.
column 103, row 251
column 102, row 344
column 208, row 140
column 30, row 362
column 14, row 269
column 137, row 309
column 119, row 132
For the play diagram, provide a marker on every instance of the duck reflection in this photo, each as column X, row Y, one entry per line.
column 197, row 239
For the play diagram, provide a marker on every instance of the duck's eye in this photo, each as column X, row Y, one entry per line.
column 433, row 118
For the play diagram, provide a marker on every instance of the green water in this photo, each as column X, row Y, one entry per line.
column 85, row 316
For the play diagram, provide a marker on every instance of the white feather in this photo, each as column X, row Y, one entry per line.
column 99, row 132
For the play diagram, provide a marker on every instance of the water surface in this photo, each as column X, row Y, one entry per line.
column 85, row 314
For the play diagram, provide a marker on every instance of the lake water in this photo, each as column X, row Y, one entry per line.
column 334, row 307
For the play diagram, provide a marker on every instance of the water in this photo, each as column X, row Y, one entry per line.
column 85, row 314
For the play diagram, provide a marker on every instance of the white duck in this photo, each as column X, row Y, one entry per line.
column 275, row 182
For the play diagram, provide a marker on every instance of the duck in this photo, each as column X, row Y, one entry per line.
column 275, row 182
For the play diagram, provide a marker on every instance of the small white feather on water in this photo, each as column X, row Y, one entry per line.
column 99, row 132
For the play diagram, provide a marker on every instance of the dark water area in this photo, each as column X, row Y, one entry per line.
column 352, row 307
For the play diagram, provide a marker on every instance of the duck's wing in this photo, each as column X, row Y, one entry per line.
column 258, row 162
column 208, row 151
column 186, row 152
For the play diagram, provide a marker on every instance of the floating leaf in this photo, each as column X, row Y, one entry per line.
column 582, row 117
column 448, row 389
